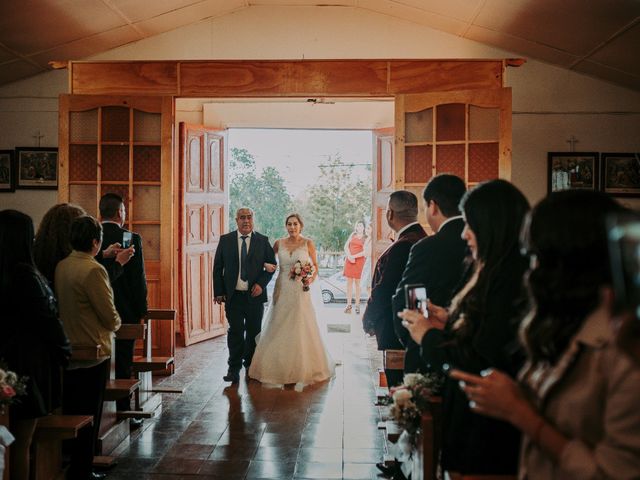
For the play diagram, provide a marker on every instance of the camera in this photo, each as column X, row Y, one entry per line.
column 416, row 298
column 126, row 239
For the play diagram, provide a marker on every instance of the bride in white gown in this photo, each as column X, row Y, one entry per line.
column 290, row 349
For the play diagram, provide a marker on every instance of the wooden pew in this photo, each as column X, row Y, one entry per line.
column 46, row 448
column 147, row 362
column 118, row 388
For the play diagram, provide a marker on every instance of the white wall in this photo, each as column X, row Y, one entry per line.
column 550, row 104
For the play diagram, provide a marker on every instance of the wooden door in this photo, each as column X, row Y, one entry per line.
column 203, row 210
column 467, row 133
column 383, row 185
column 123, row 144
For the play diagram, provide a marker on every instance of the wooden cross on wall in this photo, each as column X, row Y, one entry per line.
column 38, row 136
column 572, row 143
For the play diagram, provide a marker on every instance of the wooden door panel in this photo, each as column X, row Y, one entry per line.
column 202, row 209
column 383, row 186
column 467, row 133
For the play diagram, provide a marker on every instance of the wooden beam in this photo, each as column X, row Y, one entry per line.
column 284, row 78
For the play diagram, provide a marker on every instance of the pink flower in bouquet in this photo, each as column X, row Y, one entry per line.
column 8, row 391
column 304, row 272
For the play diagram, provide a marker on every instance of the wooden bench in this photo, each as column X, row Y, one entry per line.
column 147, row 362
column 46, row 448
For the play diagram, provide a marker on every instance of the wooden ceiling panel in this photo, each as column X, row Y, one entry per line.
column 610, row 74
column 136, row 10
column 617, row 53
column 87, row 47
column 191, row 14
column 12, row 71
column 574, row 26
column 305, row 3
column 430, row 19
column 520, row 46
column 36, row 25
column 464, row 10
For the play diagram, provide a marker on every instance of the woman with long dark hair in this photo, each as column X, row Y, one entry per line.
column 33, row 342
column 578, row 396
column 480, row 328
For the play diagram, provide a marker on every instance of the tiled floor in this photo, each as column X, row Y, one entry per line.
column 328, row 431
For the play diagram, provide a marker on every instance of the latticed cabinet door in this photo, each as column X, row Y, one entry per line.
column 122, row 145
column 467, row 133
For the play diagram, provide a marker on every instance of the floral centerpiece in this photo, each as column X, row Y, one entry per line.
column 303, row 272
column 411, row 399
column 11, row 386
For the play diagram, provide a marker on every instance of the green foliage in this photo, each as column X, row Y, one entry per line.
column 335, row 203
column 330, row 207
column 266, row 194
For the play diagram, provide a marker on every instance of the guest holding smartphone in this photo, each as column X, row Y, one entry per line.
column 578, row 397
column 481, row 328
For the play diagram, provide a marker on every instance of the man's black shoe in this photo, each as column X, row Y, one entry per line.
column 136, row 422
column 97, row 476
column 387, row 471
column 232, row 377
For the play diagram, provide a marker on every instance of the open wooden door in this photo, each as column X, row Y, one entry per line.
column 203, row 210
column 383, row 185
column 467, row 133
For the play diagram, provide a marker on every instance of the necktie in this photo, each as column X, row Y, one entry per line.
column 243, row 259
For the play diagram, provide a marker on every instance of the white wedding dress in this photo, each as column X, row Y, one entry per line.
column 290, row 349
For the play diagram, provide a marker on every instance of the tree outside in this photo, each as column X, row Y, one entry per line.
column 264, row 192
column 330, row 206
column 335, row 202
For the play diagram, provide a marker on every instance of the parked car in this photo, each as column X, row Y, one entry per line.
column 334, row 288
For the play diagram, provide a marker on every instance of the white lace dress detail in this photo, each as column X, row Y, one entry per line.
column 290, row 348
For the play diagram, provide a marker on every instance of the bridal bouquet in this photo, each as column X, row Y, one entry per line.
column 411, row 399
column 11, row 386
column 302, row 271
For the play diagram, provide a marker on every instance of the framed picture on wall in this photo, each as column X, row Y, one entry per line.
column 621, row 174
column 572, row 170
column 7, row 177
column 37, row 167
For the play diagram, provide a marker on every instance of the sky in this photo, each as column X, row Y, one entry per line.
column 297, row 154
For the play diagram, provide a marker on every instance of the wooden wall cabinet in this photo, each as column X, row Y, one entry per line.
column 123, row 145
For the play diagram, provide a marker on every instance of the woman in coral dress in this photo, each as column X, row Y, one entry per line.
column 354, row 263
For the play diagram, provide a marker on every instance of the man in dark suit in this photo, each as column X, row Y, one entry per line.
column 437, row 261
column 129, row 282
column 240, row 280
column 402, row 218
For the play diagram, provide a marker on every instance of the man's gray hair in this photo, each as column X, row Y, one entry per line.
column 244, row 208
column 404, row 205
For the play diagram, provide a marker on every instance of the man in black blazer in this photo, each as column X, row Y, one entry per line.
column 239, row 281
column 129, row 282
column 402, row 218
column 436, row 261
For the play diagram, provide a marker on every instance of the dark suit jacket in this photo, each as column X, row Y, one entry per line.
column 129, row 287
column 226, row 265
column 438, row 263
column 378, row 315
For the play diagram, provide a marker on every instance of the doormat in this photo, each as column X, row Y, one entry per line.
column 339, row 327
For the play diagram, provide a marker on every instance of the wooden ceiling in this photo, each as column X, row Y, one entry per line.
column 600, row 38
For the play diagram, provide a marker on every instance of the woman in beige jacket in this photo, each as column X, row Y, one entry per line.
column 578, row 397
column 90, row 318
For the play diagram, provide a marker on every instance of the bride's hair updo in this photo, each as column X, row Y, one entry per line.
column 297, row 217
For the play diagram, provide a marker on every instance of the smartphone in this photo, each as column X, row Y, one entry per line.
column 624, row 255
column 416, row 298
column 126, row 239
